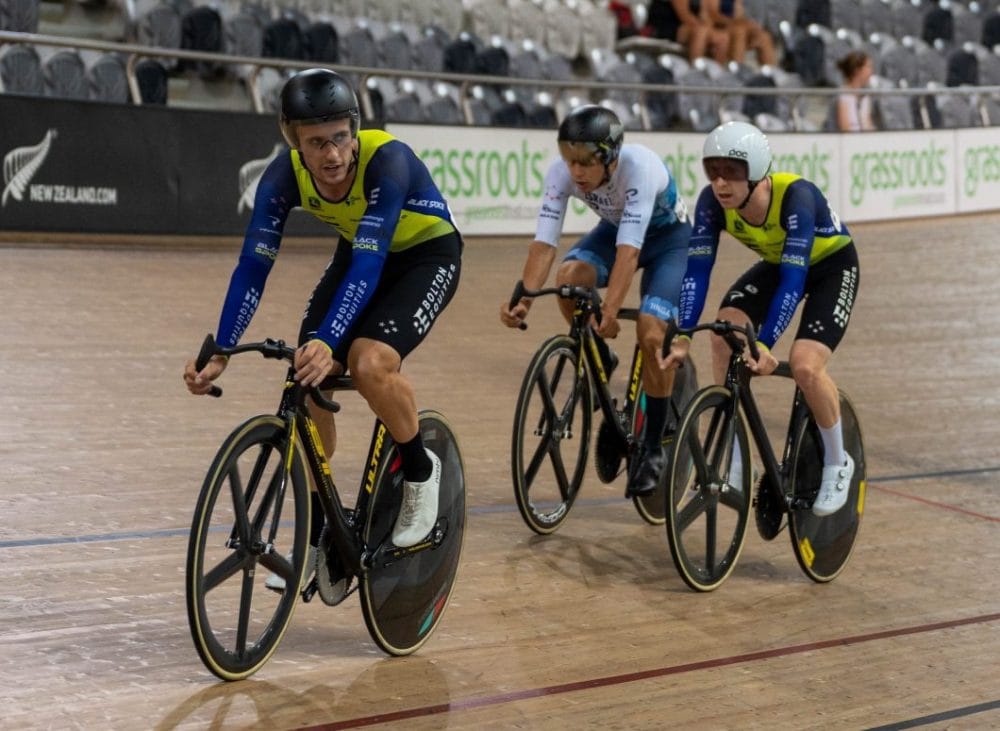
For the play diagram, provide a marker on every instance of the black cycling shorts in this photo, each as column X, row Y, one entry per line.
column 830, row 290
column 415, row 286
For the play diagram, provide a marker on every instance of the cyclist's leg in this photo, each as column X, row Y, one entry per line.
column 588, row 264
column 312, row 318
column 746, row 300
column 663, row 263
column 831, row 288
column 416, row 285
column 315, row 311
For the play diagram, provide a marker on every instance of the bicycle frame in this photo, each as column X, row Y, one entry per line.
column 583, row 333
column 738, row 377
column 295, row 413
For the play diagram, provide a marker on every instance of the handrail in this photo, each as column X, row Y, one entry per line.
column 464, row 82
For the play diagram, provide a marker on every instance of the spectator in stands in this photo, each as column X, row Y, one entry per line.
column 624, row 19
column 397, row 260
column 686, row 22
column 744, row 33
column 854, row 111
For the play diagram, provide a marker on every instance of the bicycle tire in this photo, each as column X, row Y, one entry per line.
column 706, row 517
column 824, row 545
column 404, row 594
column 230, row 538
column 554, row 408
column 652, row 507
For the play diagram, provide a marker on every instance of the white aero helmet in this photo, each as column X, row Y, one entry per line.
column 740, row 141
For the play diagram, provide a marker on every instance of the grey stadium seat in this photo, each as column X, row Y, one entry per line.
column 20, row 70
column 108, row 79
column 65, row 76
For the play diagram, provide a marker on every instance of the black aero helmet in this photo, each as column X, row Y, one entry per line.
column 596, row 127
column 314, row 96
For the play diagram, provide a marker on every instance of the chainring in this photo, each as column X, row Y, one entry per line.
column 331, row 581
column 768, row 513
column 607, row 456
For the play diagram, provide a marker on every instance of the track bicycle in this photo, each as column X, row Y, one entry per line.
column 707, row 514
column 254, row 512
column 555, row 407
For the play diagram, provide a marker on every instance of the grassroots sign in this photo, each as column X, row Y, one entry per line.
column 107, row 168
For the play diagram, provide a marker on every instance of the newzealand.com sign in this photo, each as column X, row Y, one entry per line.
column 20, row 166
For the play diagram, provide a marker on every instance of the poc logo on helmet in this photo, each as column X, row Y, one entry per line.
column 738, row 153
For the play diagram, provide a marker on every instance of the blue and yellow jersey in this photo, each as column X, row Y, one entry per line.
column 418, row 214
column 799, row 230
column 392, row 205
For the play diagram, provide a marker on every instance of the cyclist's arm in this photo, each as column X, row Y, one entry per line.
column 620, row 279
column 548, row 228
column 709, row 221
column 798, row 218
column 538, row 264
column 276, row 195
column 386, row 184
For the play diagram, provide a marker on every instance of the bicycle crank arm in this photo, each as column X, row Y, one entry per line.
column 434, row 539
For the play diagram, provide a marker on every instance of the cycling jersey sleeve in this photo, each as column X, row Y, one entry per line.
column 709, row 221
column 386, row 184
column 557, row 186
column 276, row 195
column 798, row 218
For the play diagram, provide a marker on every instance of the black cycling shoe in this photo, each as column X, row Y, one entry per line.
column 643, row 482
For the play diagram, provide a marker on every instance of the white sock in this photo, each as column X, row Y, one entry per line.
column 833, row 445
column 736, row 461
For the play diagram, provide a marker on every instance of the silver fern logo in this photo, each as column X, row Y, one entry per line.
column 20, row 166
column 250, row 176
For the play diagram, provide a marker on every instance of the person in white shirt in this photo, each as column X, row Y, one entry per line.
column 854, row 111
column 643, row 224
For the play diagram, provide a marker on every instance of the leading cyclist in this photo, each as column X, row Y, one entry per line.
column 395, row 268
column 806, row 253
column 643, row 225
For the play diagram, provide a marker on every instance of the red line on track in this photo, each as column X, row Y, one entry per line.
column 494, row 700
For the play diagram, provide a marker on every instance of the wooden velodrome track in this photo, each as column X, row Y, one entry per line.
column 104, row 453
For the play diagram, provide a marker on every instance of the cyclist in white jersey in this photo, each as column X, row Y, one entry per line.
column 643, row 224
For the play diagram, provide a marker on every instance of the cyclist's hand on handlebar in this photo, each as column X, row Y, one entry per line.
column 313, row 362
column 608, row 327
column 513, row 316
column 200, row 383
column 679, row 349
column 765, row 364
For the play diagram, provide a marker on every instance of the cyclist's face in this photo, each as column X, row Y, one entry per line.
column 728, row 179
column 328, row 151
column 585, row 168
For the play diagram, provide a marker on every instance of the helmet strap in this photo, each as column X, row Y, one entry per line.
column 750, row 188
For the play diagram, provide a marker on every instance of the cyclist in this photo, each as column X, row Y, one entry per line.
column 806, row 253
column 643, row 225
column 395, row 267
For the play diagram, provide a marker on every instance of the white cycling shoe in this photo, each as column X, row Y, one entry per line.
column 419, row 510
column 276, row 583
column 834, row 489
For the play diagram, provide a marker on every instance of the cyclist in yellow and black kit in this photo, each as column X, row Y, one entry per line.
column 395, row 268
column 807, row 254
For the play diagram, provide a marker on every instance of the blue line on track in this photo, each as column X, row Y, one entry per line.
column 480, row 510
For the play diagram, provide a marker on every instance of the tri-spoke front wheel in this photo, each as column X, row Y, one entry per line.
column 708, row 503
column 252, row 513
column 551, row 434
